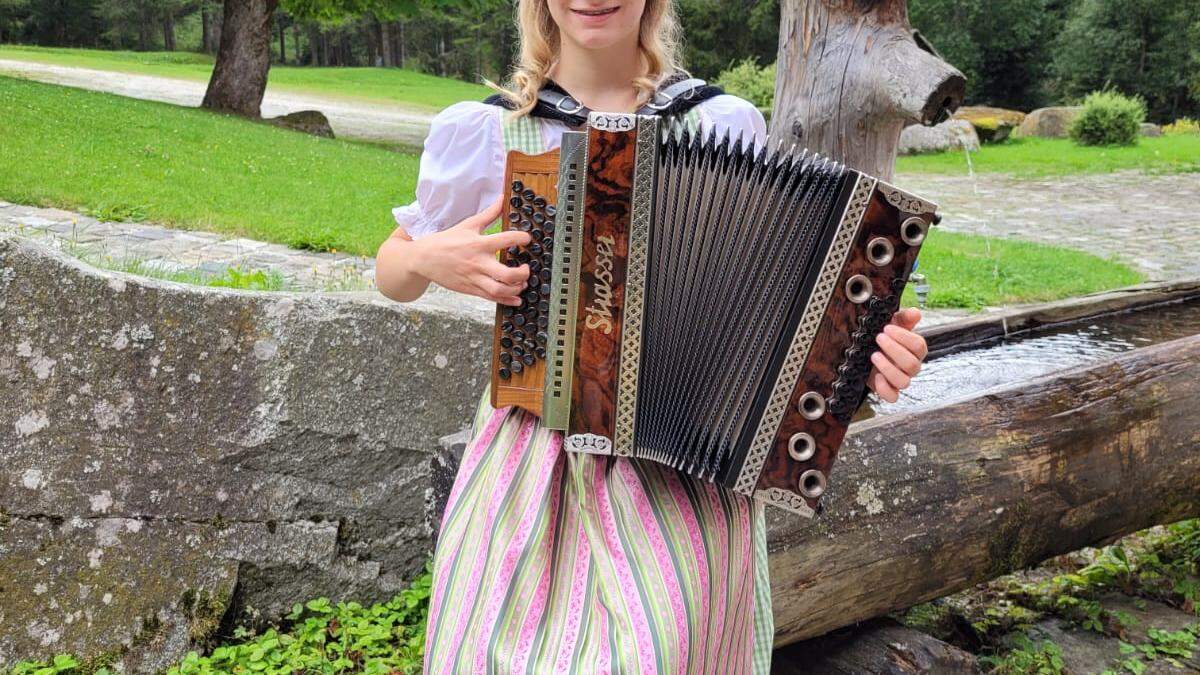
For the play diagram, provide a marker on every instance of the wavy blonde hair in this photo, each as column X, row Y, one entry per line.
column 539, row 39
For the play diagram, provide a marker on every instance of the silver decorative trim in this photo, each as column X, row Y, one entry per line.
column 564, row 282
column 905, row 201
column 592, row 444
column 806, row 332
column 612, row 121
column 785, row 500
column 641, row 206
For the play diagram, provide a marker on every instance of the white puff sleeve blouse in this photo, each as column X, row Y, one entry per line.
column 462, row 165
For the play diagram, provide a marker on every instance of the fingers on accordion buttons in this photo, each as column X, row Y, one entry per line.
column 811, row 405
column 802, row 446
column 812, row 484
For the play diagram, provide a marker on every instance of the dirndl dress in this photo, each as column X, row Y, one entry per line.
column 557, row 562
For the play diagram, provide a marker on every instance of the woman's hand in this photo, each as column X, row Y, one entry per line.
column 460, row 258
column 899, row 358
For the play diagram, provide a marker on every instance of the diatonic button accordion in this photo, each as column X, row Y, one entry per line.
column 705, row 302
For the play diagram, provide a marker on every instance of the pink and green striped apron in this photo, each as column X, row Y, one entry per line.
column 555, row 562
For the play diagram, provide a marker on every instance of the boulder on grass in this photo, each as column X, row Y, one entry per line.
column 307, row 121
column 974, row 112
column 949, row 135
column 1051, row 122
column 1150, row 130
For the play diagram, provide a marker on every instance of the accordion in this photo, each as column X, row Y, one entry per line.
column 704, row 302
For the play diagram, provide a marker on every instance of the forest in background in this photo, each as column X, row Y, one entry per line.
column 1019, row 54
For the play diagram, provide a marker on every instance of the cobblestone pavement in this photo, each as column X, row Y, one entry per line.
column 1149, row 222
column 168, row 250
column 390, row 123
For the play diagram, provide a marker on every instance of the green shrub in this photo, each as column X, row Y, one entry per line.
column 752, row 82
column 1183, row 125
column 1108, row 118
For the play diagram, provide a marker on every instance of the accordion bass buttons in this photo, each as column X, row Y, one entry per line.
column 858, row 289
column 811, row 405
column 913, row 230
column 812, row 484
column 802, row 446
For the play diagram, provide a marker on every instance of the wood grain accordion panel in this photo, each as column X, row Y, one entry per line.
column 707, row 303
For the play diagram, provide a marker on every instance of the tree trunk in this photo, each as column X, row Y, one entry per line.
column 403, row 47
column 205, row 30
column 282, row 42
column 239, row 77
column 313, row 41
column 937, row 500
column 296, row 42
column 168, row 28
column 386, row 46
column 851, row 77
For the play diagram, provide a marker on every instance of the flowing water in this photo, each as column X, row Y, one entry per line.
column 1040, row 351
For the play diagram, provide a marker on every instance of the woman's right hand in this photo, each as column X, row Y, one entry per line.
column 463, row 258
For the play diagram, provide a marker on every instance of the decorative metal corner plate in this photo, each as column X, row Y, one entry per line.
column 785, row 499
column 641, row 208
column 592, row 444
column 906, row 201
column 602, row 121
column 806, row 333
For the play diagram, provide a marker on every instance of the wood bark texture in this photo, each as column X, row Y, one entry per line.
column 881, row 647
column 927, row 503
column 851, row 77
column 239, row 77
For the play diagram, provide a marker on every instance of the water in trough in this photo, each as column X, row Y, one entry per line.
column 1036, row 352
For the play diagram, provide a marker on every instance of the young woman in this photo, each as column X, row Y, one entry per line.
column 551, row 561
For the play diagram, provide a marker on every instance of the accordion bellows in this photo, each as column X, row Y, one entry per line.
column 704, row 302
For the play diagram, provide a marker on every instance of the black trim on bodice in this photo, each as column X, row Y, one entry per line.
column 677, row 94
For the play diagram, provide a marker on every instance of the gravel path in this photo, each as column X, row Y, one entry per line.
column 1150, row 222
column 390, row 123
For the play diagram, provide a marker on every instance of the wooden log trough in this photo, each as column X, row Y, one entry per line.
column 932, row 501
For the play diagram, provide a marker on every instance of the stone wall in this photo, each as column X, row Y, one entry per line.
column 174, row 455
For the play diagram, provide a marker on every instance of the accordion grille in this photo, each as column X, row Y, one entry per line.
column 736, row 232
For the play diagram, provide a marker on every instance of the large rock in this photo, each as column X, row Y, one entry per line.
column 176, row 456
column 976, row 112
column 306, row 121
column 953, row 134
column 1150, row 130
column 1049, row 122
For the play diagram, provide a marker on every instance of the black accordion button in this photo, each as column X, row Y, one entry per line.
column 535, row 248
column 517, row 367
column 544, row 289
column 547, row 260
column 550, row 210
column 533, row 281
column 527, row 210
column 541, row 353
column 506, row 342
column 517, row 186
column 531, row 297
column 548, row 227
column 543, row 321
column 535, row 266
column 525, row 226
column 545, row 274
column 518, row 351
column 539, row 202
column 538, row 218
column 504, row 374
column 548, row 244
column 515, row 202
column 518, row 320
column 513, row 216
column 536, row 234
column 528, row 359
column 518, row 335
column 544, row 306
column 529, row 195
column 513, row 251
column 506, row 327
column 505, row 358
column 508, row 311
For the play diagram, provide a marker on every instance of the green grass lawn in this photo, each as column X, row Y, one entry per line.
column 379, row 85
column 1038, row 157
column 189, row 168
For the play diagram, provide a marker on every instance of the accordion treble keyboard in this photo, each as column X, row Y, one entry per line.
column 703, row 302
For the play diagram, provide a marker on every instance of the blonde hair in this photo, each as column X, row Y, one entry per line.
column 658, row 45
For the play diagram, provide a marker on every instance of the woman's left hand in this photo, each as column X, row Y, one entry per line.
column 899, row 358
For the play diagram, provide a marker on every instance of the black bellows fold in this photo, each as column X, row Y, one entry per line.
column 735, row 234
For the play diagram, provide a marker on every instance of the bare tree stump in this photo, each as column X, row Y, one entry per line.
column 851, row 76
column 239, row 77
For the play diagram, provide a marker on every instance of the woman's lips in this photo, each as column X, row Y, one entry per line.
column 595, row 16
